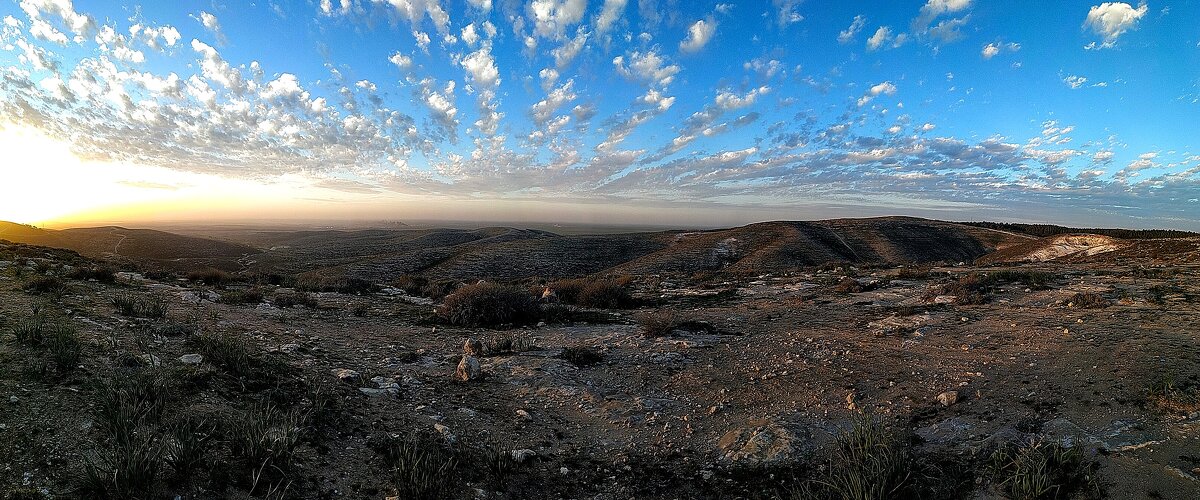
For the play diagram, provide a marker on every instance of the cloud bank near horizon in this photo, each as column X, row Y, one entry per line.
column 949, row 108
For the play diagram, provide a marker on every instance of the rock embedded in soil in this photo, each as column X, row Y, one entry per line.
column 191, row 359
column 948, row 398
column 469, row 369
column 345, row 374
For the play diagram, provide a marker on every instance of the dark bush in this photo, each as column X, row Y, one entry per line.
column 849, row 285
column 211, row 277
column 292, row 299
column 605, row 294
column 489, row 304
column 581, row 356
column 420, row 286
column 102, row 274
column 1088, row 300
column 242, row 296
column 658, row 323
column 48, row 285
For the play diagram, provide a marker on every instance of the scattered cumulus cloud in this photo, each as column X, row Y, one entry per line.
column 1110, row 20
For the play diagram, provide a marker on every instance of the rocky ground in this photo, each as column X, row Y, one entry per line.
column 758, row 391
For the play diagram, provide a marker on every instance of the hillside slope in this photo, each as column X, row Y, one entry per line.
column 508, row 253
column 131, row 244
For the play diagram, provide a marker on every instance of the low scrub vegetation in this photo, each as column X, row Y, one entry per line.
column 603, row 293
column 287, row 300
column 977, row 288
column 1169, row 396
column 869, row 461
column 489, row 304
column 1042, row 470
column 581, row 356
column 46, row 285
column 658, row 323
column 242, row 296
column 420, row 286
column 57, row 342
column 102, row 274
column 1088, row 300
column 139, row 307
column 211, row 277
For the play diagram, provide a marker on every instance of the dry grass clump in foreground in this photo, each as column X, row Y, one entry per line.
column 489, row 304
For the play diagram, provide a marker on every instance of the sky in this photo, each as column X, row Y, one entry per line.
column 609, row 111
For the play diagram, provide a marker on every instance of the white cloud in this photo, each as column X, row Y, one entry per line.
column 856, row 26
column 64, row 11
column 551, row 18
column 698, row 35
column 563, row 55
column 990, row 50
column 469, row 35
column 648, row 67
column 401, row 61
column 1074, row 81
column 484, row 5
column 211, row 24
column 786, row 13
column 609, row 13
column 881, row 36
column 543, row 110
column 1113, row 19
column 414, row 11
column 934, row 8
column 885, row 88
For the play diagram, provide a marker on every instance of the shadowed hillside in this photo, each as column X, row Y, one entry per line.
column 131, row 244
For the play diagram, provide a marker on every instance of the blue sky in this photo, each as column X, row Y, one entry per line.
column 1078, row 112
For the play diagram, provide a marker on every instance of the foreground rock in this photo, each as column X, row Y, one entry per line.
column 469, row 369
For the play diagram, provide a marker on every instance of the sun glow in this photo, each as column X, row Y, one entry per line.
column 42, row 182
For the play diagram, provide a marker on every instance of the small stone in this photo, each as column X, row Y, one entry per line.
column 524, row 415
column 706, row 475
column 345, row 374
column 191, row 359
column 151, row 360
column 14, row 400
column 523, row 455
column 445, row 432
column 468, row 369
column 564, row 471
column 289, row 348
column 472, row 347
column 948, row 398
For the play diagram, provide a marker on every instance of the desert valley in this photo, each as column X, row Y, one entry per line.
column 852, row 358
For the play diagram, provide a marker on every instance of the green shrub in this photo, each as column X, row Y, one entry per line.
column 489, row 304
column 139, row 307
column 191, row 439
column 64, row 349
column 123, row 470
column 868, row 462
column 1042, row 470
column 421, row 466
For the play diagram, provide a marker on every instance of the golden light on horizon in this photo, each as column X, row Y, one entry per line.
column 44, row 183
